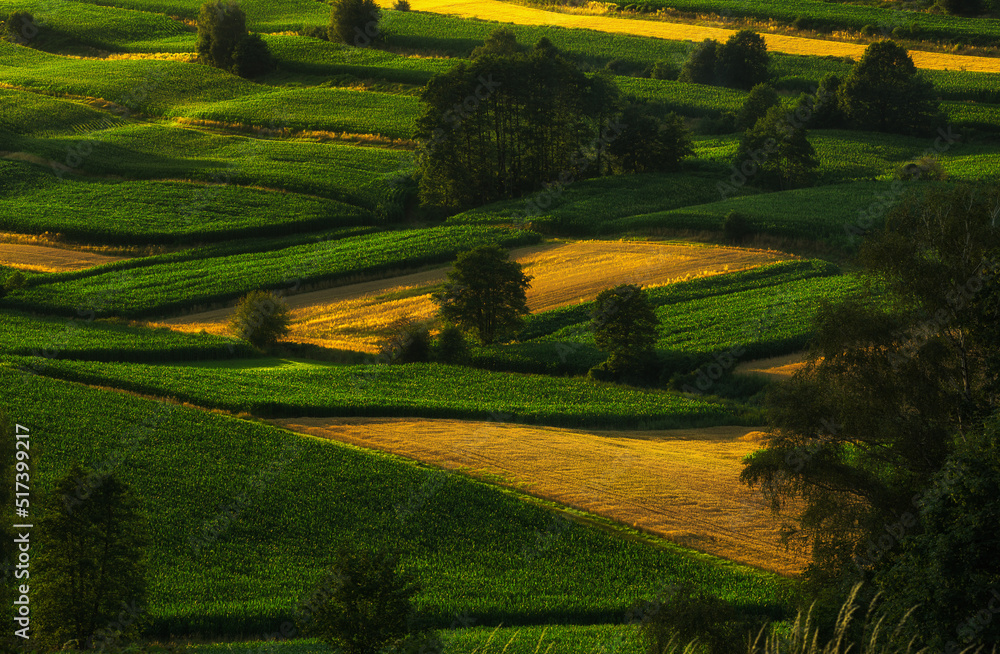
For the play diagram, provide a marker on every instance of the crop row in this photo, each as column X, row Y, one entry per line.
column 159, row 288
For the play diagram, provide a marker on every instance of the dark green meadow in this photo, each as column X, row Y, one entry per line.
column 212, row 186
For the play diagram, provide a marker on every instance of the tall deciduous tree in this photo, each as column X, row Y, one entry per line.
column 355, row 22
column 700, row 66
column 893, row 379
column 775, row 152
column 91, row 573
column 503, row 125
column 742, row 61
column 485, row 293
column 625, row 326
column 649, row 143
column 221, row 26
column 884, row 92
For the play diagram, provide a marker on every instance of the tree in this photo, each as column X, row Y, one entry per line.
column 485, row 293
column 252, row 57
column 894, row 379
column 501, row 42
column 20, row 28
column 370, row 603
column 262, row 318
column 950, row 570
column 824, row 109
column 649, row 143
column 762, row 97
column 355, row 22
column 91, row 574
column 884, row 92
column 221, row 26
column 625, row 326
column 504, row 125
column 701, row 65
column 742, row 62
column 775, row 152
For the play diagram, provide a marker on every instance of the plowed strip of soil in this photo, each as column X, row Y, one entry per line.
column 510, row 13
column 45, row 259
column 356, row 317
column 680, row 484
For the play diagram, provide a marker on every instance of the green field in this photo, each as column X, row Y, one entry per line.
column 189, row 467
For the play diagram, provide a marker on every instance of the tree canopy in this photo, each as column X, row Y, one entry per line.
column 355, row 22
column 884, row 92
column 649, row 143
column 775, row 152
column 507, row 123
column 485, row 293
column 893, row 379
column 626, row 327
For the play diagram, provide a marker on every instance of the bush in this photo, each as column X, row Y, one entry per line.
column 742, row 61
column 355, row 22
column 926, row 167
column 252, row 57
column 221, row 26
column 761, row 98
column 663, row 70
column 737, row 227
column 19, row 28
column 315, row 33
column 408, row 342
column 261, row 318
column 451, row 346
column 401, row 5
column 700, row 67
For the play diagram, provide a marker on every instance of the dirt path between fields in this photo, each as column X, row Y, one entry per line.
column 679, row 484
column 357, row 317
column 45, row 259
column 510, row 13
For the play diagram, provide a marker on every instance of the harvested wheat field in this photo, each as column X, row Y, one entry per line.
column 680, row 484
column 777, row 368
column 356, row 317
column 45, row 259
column 521, row 15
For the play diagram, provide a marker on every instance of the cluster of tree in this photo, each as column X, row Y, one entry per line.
column 224, row 42
column 889, row 434
column 510, row 122
column 741, row 62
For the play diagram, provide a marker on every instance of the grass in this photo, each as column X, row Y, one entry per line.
column 244, row 516
column 158, row 287
column 279, row 388
column 95, row 340
column 161, row 212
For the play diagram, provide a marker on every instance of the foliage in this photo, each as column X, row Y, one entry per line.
column 663, row 70
column 93, row 564
column 251, row 57
column 826, row 112
column 742, row 61
column 450, row 346
column 884, row 92
column 625, row 327
column 648, row 143
column 845, row 432
column 701, row 65
column 948, row 572
column 926, row 167
column 501, row 42
column 502, row 125
column 485, row 293
column 262, row 318
column 762, row 97
column 401, row 5
column 355, row 22
column 962, row 7
column 222, row 24
column 737, row 227
column 407, row 342
column 369, row 604
column 776, row 154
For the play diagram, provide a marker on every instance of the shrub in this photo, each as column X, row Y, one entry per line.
column 261, row 318
column 221, row 26
column 19, row 28
column 451, row 346
column 743, row 61
column 355, row 22
column 252, row 57
column 663, row 70
column 761, row 98
column 926, row 167
column 401, row 5
column 315, row 33
column 737, row 227
column 700, row 67
column 408, row 342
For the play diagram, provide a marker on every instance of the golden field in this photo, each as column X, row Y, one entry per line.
column 40, row 258
column 679, row 484
column 357, row 316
